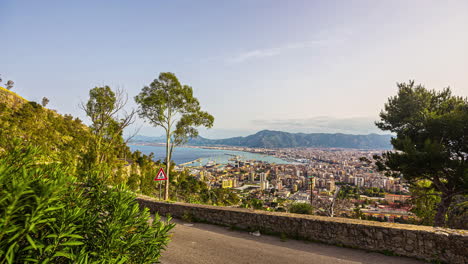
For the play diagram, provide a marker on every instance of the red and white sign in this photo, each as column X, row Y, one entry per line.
column 161, row 175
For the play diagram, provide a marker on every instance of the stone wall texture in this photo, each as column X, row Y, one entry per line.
column 428, row 243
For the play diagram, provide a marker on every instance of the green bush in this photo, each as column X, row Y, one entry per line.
column 301, row 208
column 46, row 216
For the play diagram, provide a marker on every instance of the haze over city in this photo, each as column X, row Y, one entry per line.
column 296, row 66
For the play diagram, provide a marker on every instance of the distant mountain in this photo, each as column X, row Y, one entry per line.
column 146, row 139
column 278, row 139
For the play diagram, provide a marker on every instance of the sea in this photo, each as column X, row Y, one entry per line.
column 201, row 156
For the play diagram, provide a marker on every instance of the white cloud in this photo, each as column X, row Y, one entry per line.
column 269, row 52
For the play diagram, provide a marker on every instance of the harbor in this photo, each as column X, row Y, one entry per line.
column 198, row 157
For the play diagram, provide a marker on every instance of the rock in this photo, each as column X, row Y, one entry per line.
column 256, row 233
column 411, row 235
column 442, row 233
column 379, row 235
column 409, row 248
column 429, row 244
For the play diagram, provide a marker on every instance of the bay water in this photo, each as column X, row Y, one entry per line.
column 183, row 155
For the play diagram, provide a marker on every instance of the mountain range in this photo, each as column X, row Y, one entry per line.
column 279, row 139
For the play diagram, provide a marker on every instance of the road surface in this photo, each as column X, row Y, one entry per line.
column 210, row 244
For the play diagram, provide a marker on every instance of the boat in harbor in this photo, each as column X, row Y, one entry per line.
column 235, row 158
column 210, row 164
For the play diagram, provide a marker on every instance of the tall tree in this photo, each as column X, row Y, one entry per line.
column 105, row 108
column 45, row 101
column 9, row 84
column 431, row 141
column 168, row 104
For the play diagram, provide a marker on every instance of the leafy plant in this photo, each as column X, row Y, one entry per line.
column 431, row 141
column 301, row 208
column 168, row 104
column 47, row 216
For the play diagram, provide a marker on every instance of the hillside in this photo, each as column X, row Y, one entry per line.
column 10, row 98
column 278, row 139
column 23, row 122
column 66, row 141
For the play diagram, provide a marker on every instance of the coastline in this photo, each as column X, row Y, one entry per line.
column 266, row 153
column 269, row 152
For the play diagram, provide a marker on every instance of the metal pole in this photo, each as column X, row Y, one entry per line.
column 312, row 185
column 160, row 190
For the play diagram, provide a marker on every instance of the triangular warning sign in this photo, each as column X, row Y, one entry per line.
column 161, row 175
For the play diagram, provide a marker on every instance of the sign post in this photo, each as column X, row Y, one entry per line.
column 161, row 176
column 312, row 187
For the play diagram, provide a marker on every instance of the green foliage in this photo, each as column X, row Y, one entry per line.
column 62, row 137
column 458, row 212
column 221, row 197
column 34, row 222
column 169, row 104
column 424, row 199
column 100, row 106
column 107, row 127
column 118, row 231
column 353, row 192
column 254, row 203
column 67, row 141
column 357, row 213
column 186, row 188
column 166, row 102
column 301, row 208
column 431, row 141
column 10, row 98
column 183, row 186
column 47, row 216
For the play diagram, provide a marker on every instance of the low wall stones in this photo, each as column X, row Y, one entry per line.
column 428, row 243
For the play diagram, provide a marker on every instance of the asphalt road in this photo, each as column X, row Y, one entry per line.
column 203, row 243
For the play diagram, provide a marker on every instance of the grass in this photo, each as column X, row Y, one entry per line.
column 12, row 93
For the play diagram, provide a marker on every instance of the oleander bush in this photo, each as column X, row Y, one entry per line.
column 48, row 216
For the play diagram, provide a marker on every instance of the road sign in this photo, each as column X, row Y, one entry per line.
column 161, row 175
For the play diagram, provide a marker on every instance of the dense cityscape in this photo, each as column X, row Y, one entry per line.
column 341, row 183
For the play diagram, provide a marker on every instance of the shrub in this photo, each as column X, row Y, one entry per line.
column 301, row 208
column 47, row 216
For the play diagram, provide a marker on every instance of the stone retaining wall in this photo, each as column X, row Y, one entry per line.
column 446, row 245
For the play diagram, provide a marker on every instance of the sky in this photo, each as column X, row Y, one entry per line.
column 296, row 66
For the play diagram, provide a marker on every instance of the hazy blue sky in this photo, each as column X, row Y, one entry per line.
column 308, row 66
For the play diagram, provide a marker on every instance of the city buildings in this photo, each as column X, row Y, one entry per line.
column 311, row 174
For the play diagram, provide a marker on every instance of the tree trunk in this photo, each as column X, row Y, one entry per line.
column 168, row 166
column 442, row 208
